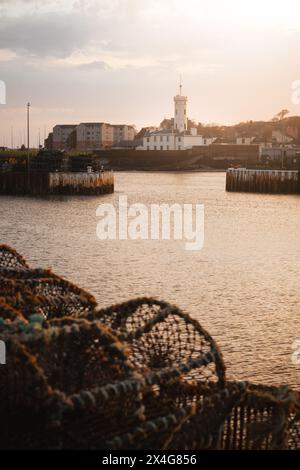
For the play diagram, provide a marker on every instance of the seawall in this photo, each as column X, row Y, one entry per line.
column 263, row 181
column 46, row 183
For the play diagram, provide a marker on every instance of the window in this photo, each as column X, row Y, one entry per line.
column 154, row 147
column 148, row 140
column 161, row 138
column 179, row 139
column 167, row 147
column 161, row 147
column 167, row 138
column 148, row 148
column 179, row 147
column 155, row 138
column 185, row 112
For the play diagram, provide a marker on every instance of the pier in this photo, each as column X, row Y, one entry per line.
column 263, row 181
column 35, row 183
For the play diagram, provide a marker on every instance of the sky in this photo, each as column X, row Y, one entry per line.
column 119, row 61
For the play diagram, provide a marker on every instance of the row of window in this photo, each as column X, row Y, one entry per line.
column 97, row 134
column 161, row 138
column 205, row 141
column 162, row 147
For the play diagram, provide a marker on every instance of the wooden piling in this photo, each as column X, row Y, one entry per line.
column 47, row 183
column 263, row 181
column 81, row 183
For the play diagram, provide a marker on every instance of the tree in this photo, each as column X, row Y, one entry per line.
column 281, row 115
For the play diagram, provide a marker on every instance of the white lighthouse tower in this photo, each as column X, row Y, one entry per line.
column 180, row 115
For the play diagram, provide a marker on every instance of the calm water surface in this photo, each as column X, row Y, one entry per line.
column 243, row 286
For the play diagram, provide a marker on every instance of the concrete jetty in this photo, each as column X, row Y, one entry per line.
column 36, row 183
column 263, row 181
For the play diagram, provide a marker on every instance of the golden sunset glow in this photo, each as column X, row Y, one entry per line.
column 228, row 52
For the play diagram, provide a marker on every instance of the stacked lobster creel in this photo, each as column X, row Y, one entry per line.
column 25, row 291
column 71, row 381
column 294, row 426
column 63, row 385
column 167, row 345
column 141, row 374
column 184, row 369
column 45, row 385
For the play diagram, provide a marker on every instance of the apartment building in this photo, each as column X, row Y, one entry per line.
column 94, row 136
column 89, row 136
column 61, row 133
column 123, row 132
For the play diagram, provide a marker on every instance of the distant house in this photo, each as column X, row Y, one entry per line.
column 163, row 139
column 280, row 138
column 209, row 140
column 171, row 140
column 279, row 152
column 244, row 140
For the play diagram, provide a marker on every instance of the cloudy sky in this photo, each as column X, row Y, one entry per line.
column 120, row 60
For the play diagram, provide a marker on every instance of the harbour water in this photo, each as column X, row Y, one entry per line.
column 243, row 286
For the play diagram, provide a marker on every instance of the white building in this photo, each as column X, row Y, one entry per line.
column 172, row 140
column 180, row 115
column 159, row 140
column 244, row 140
column 178, row 138
column 280, row 138
column 209, row 140
column 279, row 152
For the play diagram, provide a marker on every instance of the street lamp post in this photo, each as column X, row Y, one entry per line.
column 28, row 147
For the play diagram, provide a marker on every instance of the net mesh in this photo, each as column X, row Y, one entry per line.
column 161, row 336
column 141, row 374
